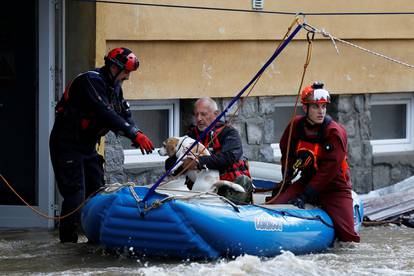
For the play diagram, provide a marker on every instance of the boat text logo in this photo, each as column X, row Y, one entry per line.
column 267, row 222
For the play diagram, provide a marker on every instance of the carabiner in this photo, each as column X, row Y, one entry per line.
column 303, row 18
column 310, row 36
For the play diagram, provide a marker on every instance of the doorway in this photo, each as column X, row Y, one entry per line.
column 26, row 89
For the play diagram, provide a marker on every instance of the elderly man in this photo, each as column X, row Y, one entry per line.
column 225, row 145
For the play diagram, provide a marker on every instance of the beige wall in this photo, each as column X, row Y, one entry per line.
column 80, row 38
column 189, row 53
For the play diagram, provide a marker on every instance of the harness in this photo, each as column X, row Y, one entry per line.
column 85, row 121
column 239, row 168
column 308, row 151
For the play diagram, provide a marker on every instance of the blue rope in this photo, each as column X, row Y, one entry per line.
column 210, row 127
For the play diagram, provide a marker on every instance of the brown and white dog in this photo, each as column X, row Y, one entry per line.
column 205, row 180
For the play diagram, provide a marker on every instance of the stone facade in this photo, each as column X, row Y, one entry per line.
column 115, row 171
column 256, row 124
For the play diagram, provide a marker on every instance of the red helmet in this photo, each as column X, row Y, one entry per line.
column 315, row 94
column 124, row 58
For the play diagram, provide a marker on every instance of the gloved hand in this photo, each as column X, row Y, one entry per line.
column 309, row 196
column 143, row 142
column 298, row 202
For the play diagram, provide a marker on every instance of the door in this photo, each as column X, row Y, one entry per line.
column 26, row 87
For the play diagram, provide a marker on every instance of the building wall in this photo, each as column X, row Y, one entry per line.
column 368, row 171
column 214, row 53
column 186, row 54
column 80, row 38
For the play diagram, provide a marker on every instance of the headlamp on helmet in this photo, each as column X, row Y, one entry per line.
column 315, row 94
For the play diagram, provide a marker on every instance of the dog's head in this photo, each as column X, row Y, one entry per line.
column 169, row 147
column 179, row 145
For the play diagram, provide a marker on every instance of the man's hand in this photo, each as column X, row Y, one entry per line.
column 190, row 163
column 143, row 142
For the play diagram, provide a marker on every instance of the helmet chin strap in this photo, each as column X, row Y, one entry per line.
column 113, row 77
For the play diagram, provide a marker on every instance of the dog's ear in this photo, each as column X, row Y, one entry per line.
column 170, row 149
column 171, row 146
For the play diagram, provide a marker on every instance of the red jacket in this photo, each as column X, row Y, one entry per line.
column 331, row 172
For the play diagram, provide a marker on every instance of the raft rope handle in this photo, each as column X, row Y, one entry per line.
column 157, row 203
column 234, row 99
column 324, row 33
column 255, row 79
column 239, row 106
column 310, row 37
column 317, row 217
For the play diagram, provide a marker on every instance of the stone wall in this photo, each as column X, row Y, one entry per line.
column 255, row 122
column 353, row 113
column 116, row 171
column 257, row 128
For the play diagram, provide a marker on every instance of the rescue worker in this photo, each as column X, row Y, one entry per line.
column 225, row 145
column 318, row 149
column 91, row 105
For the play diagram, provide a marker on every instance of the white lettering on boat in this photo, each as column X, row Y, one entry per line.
column 266, row 222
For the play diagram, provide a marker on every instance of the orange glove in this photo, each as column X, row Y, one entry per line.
column 143, row 142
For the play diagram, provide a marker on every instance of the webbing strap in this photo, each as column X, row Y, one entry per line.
column 210, row 127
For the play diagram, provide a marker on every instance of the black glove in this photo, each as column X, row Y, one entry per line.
column 298, row 202
column 309, row 196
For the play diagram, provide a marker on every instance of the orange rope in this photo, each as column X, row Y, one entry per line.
column 305, row 66
column 295, row 21
column 46, row 216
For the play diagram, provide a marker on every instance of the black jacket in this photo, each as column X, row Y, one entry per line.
column 91, row 106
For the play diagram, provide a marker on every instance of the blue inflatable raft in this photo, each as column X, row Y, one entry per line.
column 188, row 225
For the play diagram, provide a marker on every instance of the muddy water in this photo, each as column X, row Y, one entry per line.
column 384, row 250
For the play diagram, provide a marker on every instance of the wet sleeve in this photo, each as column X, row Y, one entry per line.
column 329, row 165
column 231, row 151
column 98, row 102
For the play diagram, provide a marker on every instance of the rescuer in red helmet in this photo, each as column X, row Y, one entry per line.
column 318, row 149
column 91, row 105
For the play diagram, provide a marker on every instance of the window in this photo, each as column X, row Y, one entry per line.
column 281, row 116
column 158, row 120
column 391, row 122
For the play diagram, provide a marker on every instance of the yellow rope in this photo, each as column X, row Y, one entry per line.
column 294, row 22
column 46, row 216
column 305, row 66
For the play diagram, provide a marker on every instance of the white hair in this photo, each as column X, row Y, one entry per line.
column 210, row 102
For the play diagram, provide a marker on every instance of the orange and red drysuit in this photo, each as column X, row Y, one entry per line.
column 326, row 173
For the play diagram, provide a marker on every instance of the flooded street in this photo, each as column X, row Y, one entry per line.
column 385, row 250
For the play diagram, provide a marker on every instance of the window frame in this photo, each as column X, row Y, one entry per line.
column 284, row 101
column 133, row 158
column 395, row 145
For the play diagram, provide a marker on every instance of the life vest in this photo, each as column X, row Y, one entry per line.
column 307, row 154
column 235, row 170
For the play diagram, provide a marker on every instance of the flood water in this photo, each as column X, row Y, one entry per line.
column 384, row 250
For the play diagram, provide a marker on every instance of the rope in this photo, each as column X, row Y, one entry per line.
column 241, row 10
column 310, row 38
column 42, row 214
column 232, row 116
column 324, row 33
column 237, row 97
